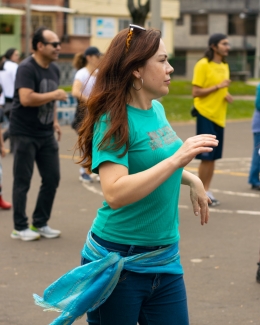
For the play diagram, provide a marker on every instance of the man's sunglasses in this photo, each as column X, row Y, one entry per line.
column 130, row 33
column 54, row 44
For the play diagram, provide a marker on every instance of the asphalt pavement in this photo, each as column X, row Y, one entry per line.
column 219, row 258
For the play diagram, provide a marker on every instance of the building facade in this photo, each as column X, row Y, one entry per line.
column 102, row 20
column 239, row 19
column 81, row 23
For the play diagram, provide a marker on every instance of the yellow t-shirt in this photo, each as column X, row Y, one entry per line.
column 208, row 74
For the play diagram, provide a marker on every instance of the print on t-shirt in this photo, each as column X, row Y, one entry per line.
column 46, row 111
column 161, row 137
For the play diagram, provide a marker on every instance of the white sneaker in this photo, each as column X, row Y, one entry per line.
column 46, row 232
column 95, row 177
column 25, row 235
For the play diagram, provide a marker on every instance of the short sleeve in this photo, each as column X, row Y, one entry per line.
column 199, row 74
column 82, row 75
column 25, row 77
column 107, row 154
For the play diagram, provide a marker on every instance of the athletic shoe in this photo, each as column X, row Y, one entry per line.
column 95, row 177
column 25, row 235
column 258, row 273
column 4, row 204
column 214, row 201
column 85, row 178
column 46, row 231
column 255, row 187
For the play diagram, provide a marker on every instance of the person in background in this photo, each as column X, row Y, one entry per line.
column 8, row 70
column 3, row 204
column 258, row 270
column 32, row 127
column 131, row 269
column 254, row 174
column 84, row 80
column 210, row 91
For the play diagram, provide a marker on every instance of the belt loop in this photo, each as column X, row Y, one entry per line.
column 131, row 249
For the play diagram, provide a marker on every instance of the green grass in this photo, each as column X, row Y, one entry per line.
column 183, row 87
column 178, row 109
column 66, row 88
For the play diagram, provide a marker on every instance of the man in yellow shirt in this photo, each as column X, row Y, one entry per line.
column 210, row 91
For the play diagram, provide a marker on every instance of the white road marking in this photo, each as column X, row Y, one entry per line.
column 255, row 213
column 236, row 193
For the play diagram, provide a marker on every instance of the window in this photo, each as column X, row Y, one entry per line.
column 242, row 24
column 41, row 20
column 82, row 26
column 123, row 23
column 199, row 24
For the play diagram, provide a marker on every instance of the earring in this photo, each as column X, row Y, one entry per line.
column 142, row 83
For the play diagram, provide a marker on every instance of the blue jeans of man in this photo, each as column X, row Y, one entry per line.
column 255, row 164
column 149, row 299
column 45, row 152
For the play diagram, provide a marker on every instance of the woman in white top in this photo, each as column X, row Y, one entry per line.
column 8, row 69
column 84, row 80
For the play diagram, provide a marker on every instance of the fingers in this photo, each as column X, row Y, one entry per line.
column 204, row 213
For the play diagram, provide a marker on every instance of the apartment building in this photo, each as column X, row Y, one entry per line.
column 239, row 19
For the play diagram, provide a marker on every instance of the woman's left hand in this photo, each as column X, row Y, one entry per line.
column 199, row 200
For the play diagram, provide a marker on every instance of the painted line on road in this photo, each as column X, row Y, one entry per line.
column 224, row 211
column 219, row 171
column 226, row 159
column 236, row 193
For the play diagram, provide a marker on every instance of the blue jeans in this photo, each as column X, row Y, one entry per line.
column 255, row 164
column 149, row 299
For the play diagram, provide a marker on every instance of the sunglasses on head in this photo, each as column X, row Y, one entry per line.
column 130, row 33
column 54, row 44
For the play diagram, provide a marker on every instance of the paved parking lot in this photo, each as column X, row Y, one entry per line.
column 219, row 259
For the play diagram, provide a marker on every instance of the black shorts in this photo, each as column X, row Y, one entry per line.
column 205, row 126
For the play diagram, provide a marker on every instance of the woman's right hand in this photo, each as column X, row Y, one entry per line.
column 194, row 146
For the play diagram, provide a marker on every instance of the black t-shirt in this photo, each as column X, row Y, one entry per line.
column 34, row 121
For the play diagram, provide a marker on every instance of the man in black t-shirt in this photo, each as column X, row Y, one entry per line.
column 32, row 126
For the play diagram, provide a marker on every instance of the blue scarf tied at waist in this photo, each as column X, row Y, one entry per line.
column 88, row 286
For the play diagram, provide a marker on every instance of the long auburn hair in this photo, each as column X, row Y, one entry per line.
column 111, row 91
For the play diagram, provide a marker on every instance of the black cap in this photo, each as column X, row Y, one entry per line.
column 92, row 50
column 216, row 38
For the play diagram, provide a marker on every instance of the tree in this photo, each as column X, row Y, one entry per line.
column 138, row 13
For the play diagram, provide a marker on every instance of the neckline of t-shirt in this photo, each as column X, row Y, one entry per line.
column 144, row 112
column 33, row 60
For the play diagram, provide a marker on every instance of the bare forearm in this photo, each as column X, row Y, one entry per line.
column 36, row 99
column 131, row 188
column 201, row 92
column 188, row 178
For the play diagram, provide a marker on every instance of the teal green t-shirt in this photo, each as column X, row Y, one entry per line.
column 153, row 220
